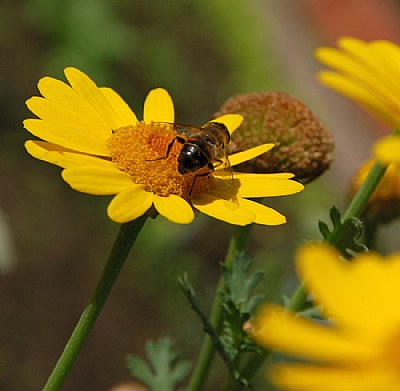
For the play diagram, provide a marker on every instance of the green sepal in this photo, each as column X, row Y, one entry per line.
column 344, row 235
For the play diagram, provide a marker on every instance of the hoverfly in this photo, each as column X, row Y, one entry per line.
column 203, row 149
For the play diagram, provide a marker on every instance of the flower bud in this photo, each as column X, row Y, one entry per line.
column 384, row 204
column 302, row 145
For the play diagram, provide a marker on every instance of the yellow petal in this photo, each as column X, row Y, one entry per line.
column 97, row 180
column 86, row 88
column 386, row 55
column 221, row 209
column 68, row 120
column 248, row 154
column 62, row 134
column 265, row 185
column 231, row 121
column 125, row 115
column 300, row 377
column 380, row 59
column 285, row 332
column 368, row 74
column 174, row 208
column 347, row 41
column 67, row 108
column 387, row 150
column 130, row 204
column 63, row 157
column 158, row 107
column 362, row 296
column 264, row 215
column 372, row 103
column 276, row 175
column 69, row 103
column 358, row 67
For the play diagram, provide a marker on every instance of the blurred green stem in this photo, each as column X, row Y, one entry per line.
column 299, row 297
column 122, row 245
column 200, row 373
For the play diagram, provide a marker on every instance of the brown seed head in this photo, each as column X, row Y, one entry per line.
column 302, row 145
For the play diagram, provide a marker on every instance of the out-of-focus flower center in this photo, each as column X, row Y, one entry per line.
column 392, row 351
column 384, row 204
column 141, row 151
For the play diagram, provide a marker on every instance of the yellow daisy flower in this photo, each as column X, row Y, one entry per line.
column 105, row 150
column 358, row 349
column 367, row 72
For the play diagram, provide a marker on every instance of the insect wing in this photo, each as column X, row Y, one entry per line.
column 224, row 168
column 187, row 130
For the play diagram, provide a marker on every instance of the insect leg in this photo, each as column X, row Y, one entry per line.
column 227, row 165
column 210, row 170
column 219, row 162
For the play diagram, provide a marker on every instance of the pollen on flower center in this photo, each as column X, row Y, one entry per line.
column 141, row 151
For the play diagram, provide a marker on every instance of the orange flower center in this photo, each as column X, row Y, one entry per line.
column 392, row 351
column 141, row 150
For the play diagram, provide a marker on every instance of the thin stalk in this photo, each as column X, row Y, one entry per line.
column 201, row 371
column 360, row 200
column 122, row 245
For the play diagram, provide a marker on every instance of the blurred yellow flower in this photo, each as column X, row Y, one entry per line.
column 384, row 204
column 387, row 150
column 367, row 72
column 104, row 150
column 359, row 346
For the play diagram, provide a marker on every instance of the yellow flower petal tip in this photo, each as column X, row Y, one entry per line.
column 175, row 209
column 251, row 153
column 158, row 107
column 92, row 134
column 231, row 121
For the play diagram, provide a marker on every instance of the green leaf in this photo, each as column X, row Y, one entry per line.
column 344, row 235
column 163, row 371
column 240, row 285
column 239, row 303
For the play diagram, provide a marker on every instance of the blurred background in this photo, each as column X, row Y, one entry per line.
column 54, row 241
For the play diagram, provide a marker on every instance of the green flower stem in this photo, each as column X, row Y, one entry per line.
column 298, row 299
column 122, row 245
column 200, row 373
column 360, row 200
